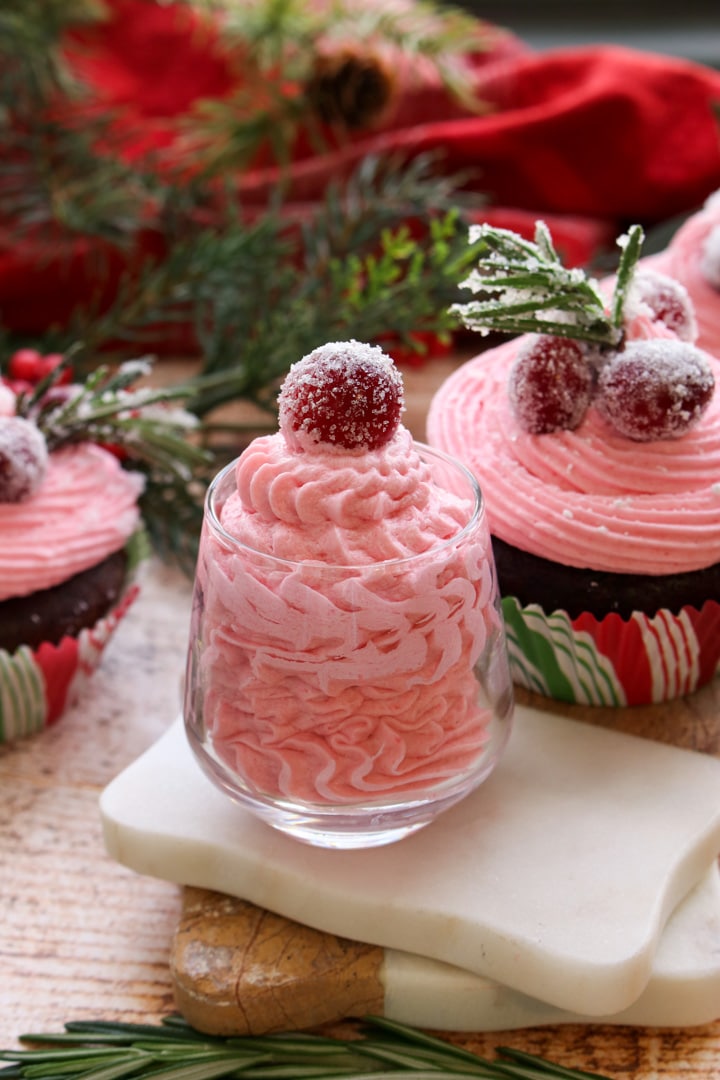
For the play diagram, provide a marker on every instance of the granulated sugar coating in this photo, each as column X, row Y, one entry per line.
column 23, row 459
column 344, row 395
column 655, row 389
column 550, row 384
column 668, row 300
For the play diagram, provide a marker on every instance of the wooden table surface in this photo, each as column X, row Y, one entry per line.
column 82, row 937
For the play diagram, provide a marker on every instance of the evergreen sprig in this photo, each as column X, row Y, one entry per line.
column 293, row 39
column 256, row 294
column 173, row 1050
column 519, row 286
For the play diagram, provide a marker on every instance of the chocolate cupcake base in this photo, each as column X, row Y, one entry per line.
column 608, row 639
column 65, row 633
column 66, row 609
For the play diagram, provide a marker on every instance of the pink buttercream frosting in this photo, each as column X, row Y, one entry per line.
column 589, row 497
column 344, row 673
column 85, row 509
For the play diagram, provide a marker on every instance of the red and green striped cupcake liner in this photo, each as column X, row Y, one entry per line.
column 613, row 661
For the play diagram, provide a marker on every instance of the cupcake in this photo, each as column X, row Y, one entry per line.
column 71, row 535
column 595, row 436
column 693, row 258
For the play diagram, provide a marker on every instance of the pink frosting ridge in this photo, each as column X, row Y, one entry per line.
column 340, row 676
column 85, row 510
column 693, row 258
column 589, row 497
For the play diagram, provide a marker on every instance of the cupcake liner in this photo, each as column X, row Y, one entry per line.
column 612, row 661
column 38, row 685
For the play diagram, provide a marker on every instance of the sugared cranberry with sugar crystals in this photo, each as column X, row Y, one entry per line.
column 550, row 384
column 655, row 389
column 668, row 302
column 344, row 395
column 23, row 459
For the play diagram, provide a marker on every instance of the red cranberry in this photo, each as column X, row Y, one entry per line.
column 30, row 366
column 655, row 389
column 668, row 300
column 345, row 395
column 551, row 384
column 23, row 459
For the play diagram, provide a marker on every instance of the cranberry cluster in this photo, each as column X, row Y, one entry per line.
column 27, row 367
column 650, row 388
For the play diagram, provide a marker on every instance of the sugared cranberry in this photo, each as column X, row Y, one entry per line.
column 550, row 385
column 23, row 459
column 710, row 257
column 31, row 366
column 655, row 389
column 343, row 395
column 668, row 302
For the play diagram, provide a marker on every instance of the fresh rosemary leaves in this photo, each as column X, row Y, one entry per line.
column 173, row 1050
column 519, row 286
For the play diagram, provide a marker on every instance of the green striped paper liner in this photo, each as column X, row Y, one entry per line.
column 551, row 658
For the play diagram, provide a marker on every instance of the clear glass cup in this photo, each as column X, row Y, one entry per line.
column 348, row 705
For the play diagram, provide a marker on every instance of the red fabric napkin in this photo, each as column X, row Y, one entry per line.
column 590, row 140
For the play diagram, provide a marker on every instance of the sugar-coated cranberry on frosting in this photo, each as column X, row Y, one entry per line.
column 344, row 396
column 693, row 258
column 655, row 389
column 550, row 383
column 23, row 459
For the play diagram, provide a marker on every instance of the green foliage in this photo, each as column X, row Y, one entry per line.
column 175, row 1051
column 380, row 258
column 519, row 286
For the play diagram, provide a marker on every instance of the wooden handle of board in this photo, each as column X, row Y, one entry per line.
column 240, row 970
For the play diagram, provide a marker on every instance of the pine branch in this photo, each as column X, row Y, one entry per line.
column 259, row 294
column 175, row 1051
column 32, row 66
column 369, row 42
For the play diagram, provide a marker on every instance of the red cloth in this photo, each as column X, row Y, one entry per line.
column 590, row 140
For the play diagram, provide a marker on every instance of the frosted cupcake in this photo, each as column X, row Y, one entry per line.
column 71, row 535
column 596, row 442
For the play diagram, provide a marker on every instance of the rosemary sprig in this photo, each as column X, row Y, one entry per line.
column 520, row 286
column 107, row 408
column 172, row 1050
column 148, row 432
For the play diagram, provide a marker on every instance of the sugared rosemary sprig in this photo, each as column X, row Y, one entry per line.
column 108, row 408
column 175, row 1051
column 148, row 430
column 519, row 286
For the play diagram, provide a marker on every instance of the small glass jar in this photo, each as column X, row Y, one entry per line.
column 348, row 705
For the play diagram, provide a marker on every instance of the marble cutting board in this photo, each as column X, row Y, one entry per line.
column 240, row 970
column 555, row 879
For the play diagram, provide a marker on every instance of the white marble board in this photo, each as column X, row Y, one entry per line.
column 555, row 879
